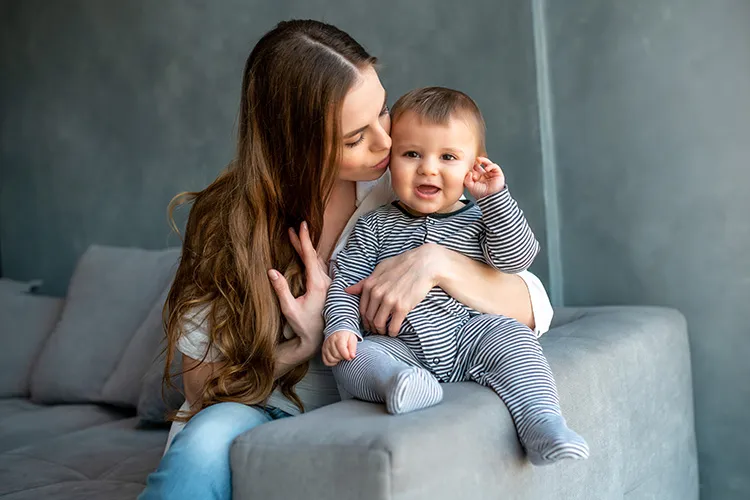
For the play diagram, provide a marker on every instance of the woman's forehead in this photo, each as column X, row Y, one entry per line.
column 364, row 101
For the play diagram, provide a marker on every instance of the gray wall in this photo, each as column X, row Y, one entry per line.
column 107, row 109
column 110, row 108
column 652, row 125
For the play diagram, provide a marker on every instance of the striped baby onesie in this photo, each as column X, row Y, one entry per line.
column 443, row 340
column 492, row 230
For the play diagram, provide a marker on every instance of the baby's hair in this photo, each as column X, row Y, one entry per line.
column 437, row 105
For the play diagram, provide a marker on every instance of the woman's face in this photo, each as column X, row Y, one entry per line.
column 365, row 129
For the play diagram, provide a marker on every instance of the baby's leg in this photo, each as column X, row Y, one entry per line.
column 386, row 371
column 506, row 356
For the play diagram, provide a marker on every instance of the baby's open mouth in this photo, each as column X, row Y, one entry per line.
column 427, row 190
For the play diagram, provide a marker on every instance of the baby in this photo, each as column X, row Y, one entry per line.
column 438, row 150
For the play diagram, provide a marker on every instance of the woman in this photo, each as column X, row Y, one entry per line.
column 313, row 150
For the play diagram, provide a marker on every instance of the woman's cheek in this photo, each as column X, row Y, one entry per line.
column 348, row 165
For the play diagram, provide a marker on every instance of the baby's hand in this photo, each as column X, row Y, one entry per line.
column 484, row 179
column 341, row 345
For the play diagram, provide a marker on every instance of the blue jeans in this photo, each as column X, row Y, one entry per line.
column 197, row 463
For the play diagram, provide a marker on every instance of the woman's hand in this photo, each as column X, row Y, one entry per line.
column 304, row 313
column 396, row 286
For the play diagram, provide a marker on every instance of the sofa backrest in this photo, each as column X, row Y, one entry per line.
column 109, row 330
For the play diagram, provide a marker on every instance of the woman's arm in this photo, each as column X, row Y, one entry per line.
column 288, row 355
column 194, row 377
column 401, row 282
column 482, row 288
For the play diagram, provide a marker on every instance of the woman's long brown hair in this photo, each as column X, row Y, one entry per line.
column 294, row 84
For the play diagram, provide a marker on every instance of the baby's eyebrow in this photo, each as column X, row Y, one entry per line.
column 454, row 150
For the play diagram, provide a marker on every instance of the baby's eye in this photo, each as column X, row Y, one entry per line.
column 411, row 154
column 448, row 157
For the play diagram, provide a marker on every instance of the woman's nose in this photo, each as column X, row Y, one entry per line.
column 382, row 140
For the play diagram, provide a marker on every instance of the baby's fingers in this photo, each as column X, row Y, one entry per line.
column 352, row 346
column 343, row 348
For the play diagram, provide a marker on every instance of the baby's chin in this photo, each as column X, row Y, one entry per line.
column 423, row 208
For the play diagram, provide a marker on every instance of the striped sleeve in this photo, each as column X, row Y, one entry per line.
column 354, row 263
column 509, row 244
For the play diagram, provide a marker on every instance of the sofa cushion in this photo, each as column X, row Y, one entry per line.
column 110, row 294
column 25, row 323
column 156, row 400
column 123, row 387
column 23, row 423
column 106, row 461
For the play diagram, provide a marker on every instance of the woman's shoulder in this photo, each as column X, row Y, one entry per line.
column 195, row 337
column 196, row 319
column 372, row 194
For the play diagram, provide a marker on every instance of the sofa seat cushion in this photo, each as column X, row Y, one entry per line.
column 23, row 423
column 80, row 490
column 110, row 461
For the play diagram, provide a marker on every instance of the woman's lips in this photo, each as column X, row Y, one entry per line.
column 383, row 163
column 425, row 191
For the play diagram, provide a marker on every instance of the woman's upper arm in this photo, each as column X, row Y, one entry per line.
column 520, row 296
column 541, row 307
column 199, row 357
column 194, row 376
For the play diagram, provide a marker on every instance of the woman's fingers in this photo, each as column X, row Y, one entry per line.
column 380, row 321
column 364, row 303
column 281, row 287
column 315, row 269
column 295, row 241
column 373, row 306
column 355, row 289
column 397, row 319
column 309, row 255
column 363, row 291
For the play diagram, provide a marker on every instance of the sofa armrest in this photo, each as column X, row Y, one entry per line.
column 624, row 381
column 352, row 449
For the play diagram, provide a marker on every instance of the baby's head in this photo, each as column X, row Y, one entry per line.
column 437, row 135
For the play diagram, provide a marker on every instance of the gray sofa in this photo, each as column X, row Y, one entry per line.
column 81, row 406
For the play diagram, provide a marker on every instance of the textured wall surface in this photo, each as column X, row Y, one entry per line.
column 652, row 121
column 107, row 109
column 111, row 108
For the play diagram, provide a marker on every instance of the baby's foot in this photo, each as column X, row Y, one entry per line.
column 550, row 440
column 413, row 389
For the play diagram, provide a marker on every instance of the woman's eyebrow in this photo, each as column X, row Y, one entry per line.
column 362, row 129
column 355, row 132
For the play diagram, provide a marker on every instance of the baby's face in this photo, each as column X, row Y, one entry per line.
column 429, row 162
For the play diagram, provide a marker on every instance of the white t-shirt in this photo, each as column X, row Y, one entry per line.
column 318, row 387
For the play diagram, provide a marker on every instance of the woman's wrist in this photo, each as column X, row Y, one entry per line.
column 440, row 264
column 290, row 354
column 307, row 348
